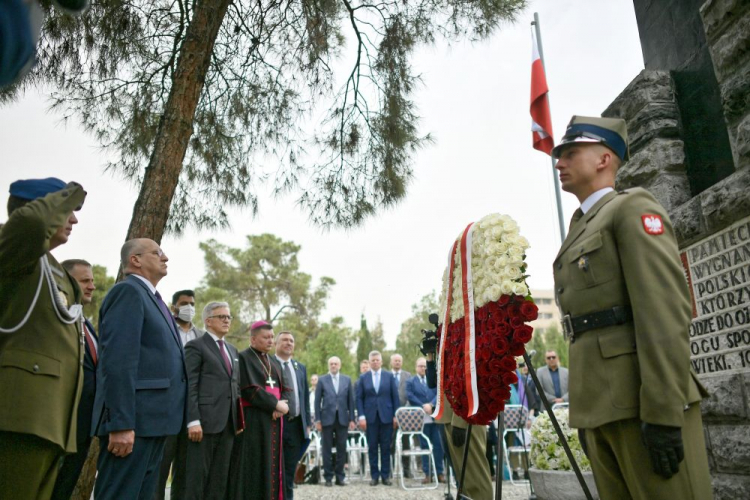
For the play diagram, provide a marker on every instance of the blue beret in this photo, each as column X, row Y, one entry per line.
column 31, row 189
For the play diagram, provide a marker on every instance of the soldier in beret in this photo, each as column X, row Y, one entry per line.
column 626, row 311
column 41, row 343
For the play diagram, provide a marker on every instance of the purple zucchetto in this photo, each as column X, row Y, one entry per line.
column 260, row 324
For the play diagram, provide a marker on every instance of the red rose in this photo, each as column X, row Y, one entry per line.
column 483, row 370
column 516, row 322
column 510, row 378
column 522, row 334
column 514, row 310
column 493, row 308
column 502, row 314
column 496, row 365
column 482, row 313
column 517, row 349
column 503, row 329
column 529, row 310
column 500, row 348
column 503, row 300
column 508, row 363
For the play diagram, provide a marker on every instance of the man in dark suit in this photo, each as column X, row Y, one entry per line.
column 334, row 410
column 141, row 377
column 377, row 402
column 72, row 465
column 296, row 433
column 213, row 398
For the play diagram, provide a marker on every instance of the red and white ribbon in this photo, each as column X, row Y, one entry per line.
column 438, row 412
column 467, row 284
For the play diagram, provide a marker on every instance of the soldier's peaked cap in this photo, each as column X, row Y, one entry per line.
column 31, row 189
column 611, row 132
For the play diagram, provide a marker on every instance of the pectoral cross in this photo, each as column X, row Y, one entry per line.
column 270, row 382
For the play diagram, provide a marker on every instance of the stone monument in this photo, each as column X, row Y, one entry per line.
column 688, row 117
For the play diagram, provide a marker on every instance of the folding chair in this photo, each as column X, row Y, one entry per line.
column 559, row 406
column 410, row 421
column 514, row 423
column 356, row 448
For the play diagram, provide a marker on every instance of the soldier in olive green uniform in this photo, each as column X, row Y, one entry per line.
column 41, row 343
column 478, row 481
column 626, row 306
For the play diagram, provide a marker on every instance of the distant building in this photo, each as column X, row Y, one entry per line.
column 549, row 314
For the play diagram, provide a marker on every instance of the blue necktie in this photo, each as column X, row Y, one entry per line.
column 376, row 379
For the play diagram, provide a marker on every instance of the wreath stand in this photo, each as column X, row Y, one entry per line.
column 500, row 430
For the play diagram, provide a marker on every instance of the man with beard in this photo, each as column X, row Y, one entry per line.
column 257, row 458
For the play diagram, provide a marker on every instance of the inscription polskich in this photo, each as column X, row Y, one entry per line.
column 718, row 272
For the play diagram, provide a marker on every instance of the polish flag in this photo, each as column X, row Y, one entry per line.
column 541, row 121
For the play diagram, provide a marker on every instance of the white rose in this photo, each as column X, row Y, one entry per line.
column 515, row 250
column 501, row 262
column 512, row 272
column 502, row 248
column 510, row 226
column 520, row 289
column 496, row 232
column 510, row 238
column 506, row 287
column 492, row 293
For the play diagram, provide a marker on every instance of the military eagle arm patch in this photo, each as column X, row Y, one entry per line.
column 652, row 224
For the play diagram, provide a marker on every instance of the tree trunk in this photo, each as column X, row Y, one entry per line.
column 151, row 210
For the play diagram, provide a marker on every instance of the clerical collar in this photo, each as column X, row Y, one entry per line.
column 257, row 351
column 594, row 197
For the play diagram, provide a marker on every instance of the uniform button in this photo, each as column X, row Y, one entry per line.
column 36, row 368
column 559, row 266
column 560, row 290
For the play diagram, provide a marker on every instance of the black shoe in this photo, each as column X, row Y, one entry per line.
column 340, row 482
column 387, row 482
column 374, row 482
column 329, row 483
column 408, row 475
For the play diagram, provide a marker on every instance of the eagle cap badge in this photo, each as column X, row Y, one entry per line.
column 652, row 224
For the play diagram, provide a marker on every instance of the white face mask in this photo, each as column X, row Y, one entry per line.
column 187, row 313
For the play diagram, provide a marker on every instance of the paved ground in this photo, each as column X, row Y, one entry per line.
column 359, row 490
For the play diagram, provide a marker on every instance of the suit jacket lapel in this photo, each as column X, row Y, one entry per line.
column 578, row 228
column 211, row 344
column 170, row 324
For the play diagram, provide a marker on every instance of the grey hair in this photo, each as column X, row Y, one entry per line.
column 374, row 353
column 129, row 248
column 211, row 307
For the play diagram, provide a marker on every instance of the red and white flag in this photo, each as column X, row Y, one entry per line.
column 541, row 121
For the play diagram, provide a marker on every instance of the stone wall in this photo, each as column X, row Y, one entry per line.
column 727, row 25
column 656, row 111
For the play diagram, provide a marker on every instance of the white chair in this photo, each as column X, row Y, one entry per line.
column 560, row 406
column 410, row 421
column 356, row 447
column 514, row 423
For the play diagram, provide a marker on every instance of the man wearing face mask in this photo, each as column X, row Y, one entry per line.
column 175, row 449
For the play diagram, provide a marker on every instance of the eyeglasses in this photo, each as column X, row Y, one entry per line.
column 222, row 317
column 159, row 253
column 551, row 357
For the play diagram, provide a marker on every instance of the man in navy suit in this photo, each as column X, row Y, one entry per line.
column 72, row 465
column 296, row 433
column 419, row 394
column 141, row 377
column 334, row 411
column 377, row 402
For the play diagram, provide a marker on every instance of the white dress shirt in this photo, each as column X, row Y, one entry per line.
column 594, row 197
column 294, row 382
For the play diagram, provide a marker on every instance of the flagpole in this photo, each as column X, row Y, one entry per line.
column 555, row 179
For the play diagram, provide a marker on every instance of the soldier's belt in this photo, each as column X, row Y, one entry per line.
column 617, row 315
